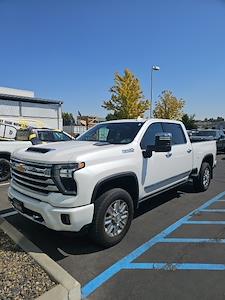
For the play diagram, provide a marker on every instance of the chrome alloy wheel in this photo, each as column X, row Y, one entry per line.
column 206, row 177
column 116, row 218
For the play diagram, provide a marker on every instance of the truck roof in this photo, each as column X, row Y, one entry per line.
column 126, row 121
column 142, row 120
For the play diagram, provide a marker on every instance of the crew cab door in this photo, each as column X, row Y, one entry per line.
column 163, row 170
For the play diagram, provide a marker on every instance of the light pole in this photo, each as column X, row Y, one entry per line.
column 154, row 68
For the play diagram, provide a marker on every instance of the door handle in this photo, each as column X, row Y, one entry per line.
column 169, row 154
column 189, row 150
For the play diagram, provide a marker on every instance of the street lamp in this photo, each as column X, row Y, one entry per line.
column 154, row 68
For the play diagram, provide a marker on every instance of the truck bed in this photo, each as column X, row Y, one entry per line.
column 202, row 149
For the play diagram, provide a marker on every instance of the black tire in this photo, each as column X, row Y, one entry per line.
column 102, row 204
column 4, row 169
column 202, row 182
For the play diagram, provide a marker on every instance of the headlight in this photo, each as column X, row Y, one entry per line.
column 64, row 179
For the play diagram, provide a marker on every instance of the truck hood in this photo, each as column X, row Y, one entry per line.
column 72, row 151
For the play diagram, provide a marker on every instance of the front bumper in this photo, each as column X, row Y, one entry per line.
column 51, row 216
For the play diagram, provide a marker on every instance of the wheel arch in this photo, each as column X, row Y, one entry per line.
column 127, row 181
column 5, row 155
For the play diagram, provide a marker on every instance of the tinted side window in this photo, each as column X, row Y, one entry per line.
column 149, row 136
column 176, row 130
column 45, row 136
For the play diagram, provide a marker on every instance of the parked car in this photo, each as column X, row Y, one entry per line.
column 24, row 139
column 97, row 181
column 210, row 134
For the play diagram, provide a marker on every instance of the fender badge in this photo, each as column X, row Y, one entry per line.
column 128, row 150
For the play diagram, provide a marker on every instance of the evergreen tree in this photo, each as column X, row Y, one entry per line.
column 68, row 119
column 189, row 121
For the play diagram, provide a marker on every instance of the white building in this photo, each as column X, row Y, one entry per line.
column 23, row 107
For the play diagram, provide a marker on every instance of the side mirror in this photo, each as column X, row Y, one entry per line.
column 163, row 143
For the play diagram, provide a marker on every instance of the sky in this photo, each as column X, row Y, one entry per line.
column 71, row 49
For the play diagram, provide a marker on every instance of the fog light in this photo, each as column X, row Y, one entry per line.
column 65, row 219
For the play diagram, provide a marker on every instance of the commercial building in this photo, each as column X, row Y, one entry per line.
column 82, row 123
column 21, row 106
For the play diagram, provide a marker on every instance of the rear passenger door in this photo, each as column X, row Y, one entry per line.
column 181, row 152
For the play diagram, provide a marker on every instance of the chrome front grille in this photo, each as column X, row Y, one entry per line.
column 33, row 176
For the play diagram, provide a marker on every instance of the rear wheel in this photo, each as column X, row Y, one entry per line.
column 4, row 169
column 112, row 217
column 202, row 182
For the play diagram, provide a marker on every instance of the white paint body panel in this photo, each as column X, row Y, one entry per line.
column 79, row 216
column 104, row 161
column 12, row 146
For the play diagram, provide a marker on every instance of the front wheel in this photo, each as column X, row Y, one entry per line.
column 4, row 169
column 202, row 182
column 112, row 217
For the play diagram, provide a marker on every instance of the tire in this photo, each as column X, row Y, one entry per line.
column 114, row 207
column 4, row 169
column 202, row 182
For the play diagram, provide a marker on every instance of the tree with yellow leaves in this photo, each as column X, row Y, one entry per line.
column 169, row 107
column 127, row 99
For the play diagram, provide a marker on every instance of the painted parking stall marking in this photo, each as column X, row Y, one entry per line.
column 4, row 184
column 127, row 263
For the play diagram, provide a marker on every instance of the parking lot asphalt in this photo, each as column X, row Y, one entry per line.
column 173, row 250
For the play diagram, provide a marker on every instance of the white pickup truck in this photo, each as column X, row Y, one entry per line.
column 97, row 181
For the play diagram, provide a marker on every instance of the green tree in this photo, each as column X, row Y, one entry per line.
column 169, row 107
column 189, row 121
column 68, row 119
column 110, row 117
column 220, row 119
column 127, row 99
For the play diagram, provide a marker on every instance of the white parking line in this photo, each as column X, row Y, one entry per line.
column 11, row 213
column 3, row 184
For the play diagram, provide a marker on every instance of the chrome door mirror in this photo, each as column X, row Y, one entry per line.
column 163, row 142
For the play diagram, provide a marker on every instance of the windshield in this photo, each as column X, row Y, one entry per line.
column 112, row 133
column 60, row 136
column 53, row 136
column 206, row 133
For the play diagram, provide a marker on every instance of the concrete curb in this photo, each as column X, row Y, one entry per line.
column 67, row 288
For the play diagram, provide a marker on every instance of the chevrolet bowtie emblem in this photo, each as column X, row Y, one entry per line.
column 20, row 168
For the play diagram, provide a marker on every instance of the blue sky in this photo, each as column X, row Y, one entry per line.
column 71, row 49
